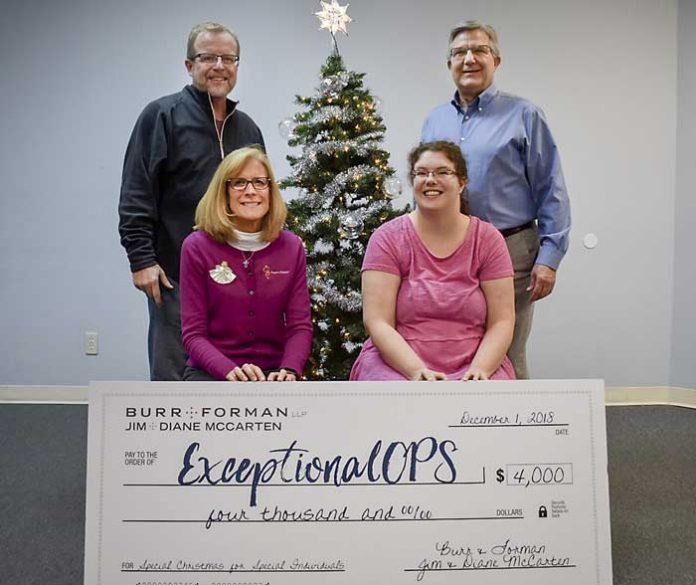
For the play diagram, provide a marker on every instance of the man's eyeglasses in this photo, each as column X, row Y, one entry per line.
column 476, row 51
column 422, row 175
column 212, row 59
column 258, row 183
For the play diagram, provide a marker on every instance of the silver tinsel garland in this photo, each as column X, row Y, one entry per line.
column 310, row 160
column 332, row 85
column 323, row 247
column 347, row 245
column 328, row 135
column 338, row 184
column 311, row 224
column 328, row 293
column 334, row 114
column 373, row 208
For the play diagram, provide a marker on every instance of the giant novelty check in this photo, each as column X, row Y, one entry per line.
column 336, row 483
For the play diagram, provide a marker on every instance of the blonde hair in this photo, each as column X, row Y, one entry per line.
column 213, row 214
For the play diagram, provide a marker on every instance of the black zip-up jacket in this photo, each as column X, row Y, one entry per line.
column 172, row 154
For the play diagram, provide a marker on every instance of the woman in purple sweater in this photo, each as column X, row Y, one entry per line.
column 245, row 310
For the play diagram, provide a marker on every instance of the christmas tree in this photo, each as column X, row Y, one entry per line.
column 346, row 187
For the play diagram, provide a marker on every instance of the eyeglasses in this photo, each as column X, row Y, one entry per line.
column 476, row 51
column 239, row 184
column 212, row 59
column 423, row 175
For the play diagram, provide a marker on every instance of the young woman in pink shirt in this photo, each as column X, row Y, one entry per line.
column 438, row 300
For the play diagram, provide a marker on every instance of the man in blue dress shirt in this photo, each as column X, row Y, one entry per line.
column 515, row 176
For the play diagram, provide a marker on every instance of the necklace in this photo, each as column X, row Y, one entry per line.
column 247, row 259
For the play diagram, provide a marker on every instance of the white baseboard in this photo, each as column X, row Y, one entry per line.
column 44, row 394
column 615, row 395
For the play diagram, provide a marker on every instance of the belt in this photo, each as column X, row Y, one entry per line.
column 507, row 232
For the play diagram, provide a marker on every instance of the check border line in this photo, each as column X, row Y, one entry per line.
column 261, row 521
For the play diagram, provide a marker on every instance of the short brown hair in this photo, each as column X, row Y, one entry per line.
column 213, row 211
column 475, row 25
column 211, row 27
column 455, row 156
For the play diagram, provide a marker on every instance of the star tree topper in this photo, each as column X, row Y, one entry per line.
column 333, row 17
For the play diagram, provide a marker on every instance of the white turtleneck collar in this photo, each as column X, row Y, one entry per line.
column 248, row 242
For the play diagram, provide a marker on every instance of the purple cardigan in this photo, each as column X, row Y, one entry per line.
column 262, row 317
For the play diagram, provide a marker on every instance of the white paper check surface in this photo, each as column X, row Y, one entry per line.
column 337, row 483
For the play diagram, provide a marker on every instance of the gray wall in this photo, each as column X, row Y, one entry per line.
column 76, row 75
column 683, row 367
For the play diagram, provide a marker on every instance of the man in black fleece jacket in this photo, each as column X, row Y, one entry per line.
column 174, row 149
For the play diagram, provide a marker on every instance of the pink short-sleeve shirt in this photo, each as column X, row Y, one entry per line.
column 440, row 308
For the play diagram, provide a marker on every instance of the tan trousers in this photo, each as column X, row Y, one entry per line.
column 523, row 247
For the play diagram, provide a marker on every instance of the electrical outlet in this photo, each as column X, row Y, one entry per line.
column 91, row 343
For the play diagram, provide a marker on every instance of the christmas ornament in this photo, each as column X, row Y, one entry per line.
column 392, row 187
column 352, row 226
column 286, row 128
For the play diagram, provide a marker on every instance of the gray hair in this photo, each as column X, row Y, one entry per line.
column 476, row 25
column 211, row 27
